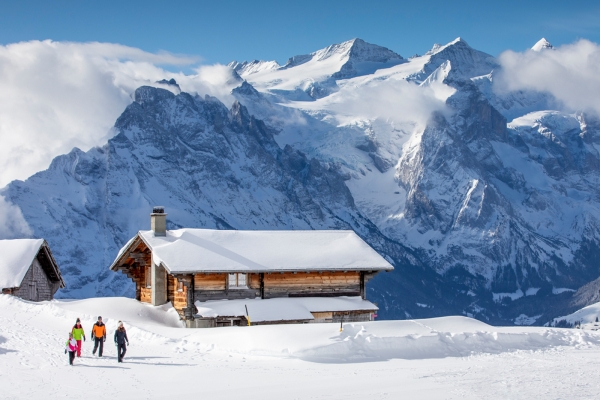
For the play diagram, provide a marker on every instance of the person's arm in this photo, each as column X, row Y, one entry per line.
column 104, row 333
column 116, row 335
column 126, row 339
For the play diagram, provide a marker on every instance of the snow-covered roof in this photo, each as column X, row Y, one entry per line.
column 16, row 256
column 209, row 250
column 282, row 309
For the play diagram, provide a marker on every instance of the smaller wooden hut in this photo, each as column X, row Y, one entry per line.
column 28, row 269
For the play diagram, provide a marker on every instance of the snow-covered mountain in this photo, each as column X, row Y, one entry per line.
column 312, row 76
column 485, row 201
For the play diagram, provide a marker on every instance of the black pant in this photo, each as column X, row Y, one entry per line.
column 71, row 357
column 98, row 341
column 121, row 350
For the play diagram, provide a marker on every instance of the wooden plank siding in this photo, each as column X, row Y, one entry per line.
column 332, row 283
column 146, row 295
column 36, row 286
column 178, row 297
column 210, row 282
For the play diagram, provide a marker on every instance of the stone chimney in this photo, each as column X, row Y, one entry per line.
column 158, row 221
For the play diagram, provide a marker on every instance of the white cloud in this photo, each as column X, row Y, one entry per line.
column 58, row 95
column 571, row 73
column 12, row 223
column 395, row 100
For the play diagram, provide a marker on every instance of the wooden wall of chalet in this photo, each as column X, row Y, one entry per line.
column 214, row 287
column 288, row 284
column 291, row 284
column 177, row 296
column 138, row 275
column 36, row 285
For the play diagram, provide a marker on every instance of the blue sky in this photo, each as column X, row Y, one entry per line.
column 220, row 31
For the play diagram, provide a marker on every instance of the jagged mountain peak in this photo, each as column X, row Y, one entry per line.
column 458, row 43
column 542, row 44
column 466, row 61
column 354, row 50
column 251, row 67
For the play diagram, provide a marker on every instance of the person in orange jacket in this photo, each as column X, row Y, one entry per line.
column 99, row 335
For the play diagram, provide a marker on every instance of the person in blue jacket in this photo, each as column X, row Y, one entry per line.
column 120, row 340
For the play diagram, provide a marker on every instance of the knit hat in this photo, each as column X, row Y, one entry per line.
column 120, row 323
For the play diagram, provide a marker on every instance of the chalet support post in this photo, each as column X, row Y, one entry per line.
column 159, row 285
column 262, row 285
column 362, row 285
column 139, row 282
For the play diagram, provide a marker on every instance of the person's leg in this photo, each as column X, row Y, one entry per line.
column 95, row 345
column 101, row 341
column 124, row 348
column 79, row 348
column 71, row 357
column 119, row 349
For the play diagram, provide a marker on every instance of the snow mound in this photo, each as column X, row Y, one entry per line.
column 586, row 318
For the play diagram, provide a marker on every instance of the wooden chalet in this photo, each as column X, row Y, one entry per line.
column 264, row 276
column 28, row 269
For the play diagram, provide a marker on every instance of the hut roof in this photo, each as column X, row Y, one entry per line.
column 209, row 250
column 16, row 256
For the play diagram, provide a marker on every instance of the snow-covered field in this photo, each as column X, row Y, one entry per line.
column 442, row 358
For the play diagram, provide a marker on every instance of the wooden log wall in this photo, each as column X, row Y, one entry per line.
column 214, row 287
column 138, row 276
column 177, row 298
column 146, row 295
column 276, row 284
column 210, row 282
column 136, row 268
column 312, row 284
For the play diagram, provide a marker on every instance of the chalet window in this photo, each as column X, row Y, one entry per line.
column 237, row 281
column 148, row 277
column 180, row 286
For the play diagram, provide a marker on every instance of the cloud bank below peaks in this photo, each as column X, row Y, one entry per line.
column 60, row 95
column 12, row 223
column 570, row 73
column 397, row 101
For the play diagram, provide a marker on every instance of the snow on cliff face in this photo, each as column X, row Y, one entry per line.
column 312, row 76
column 417, row 156
column 251, row 67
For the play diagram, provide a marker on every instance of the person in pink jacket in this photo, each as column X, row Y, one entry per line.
column 71, row 347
